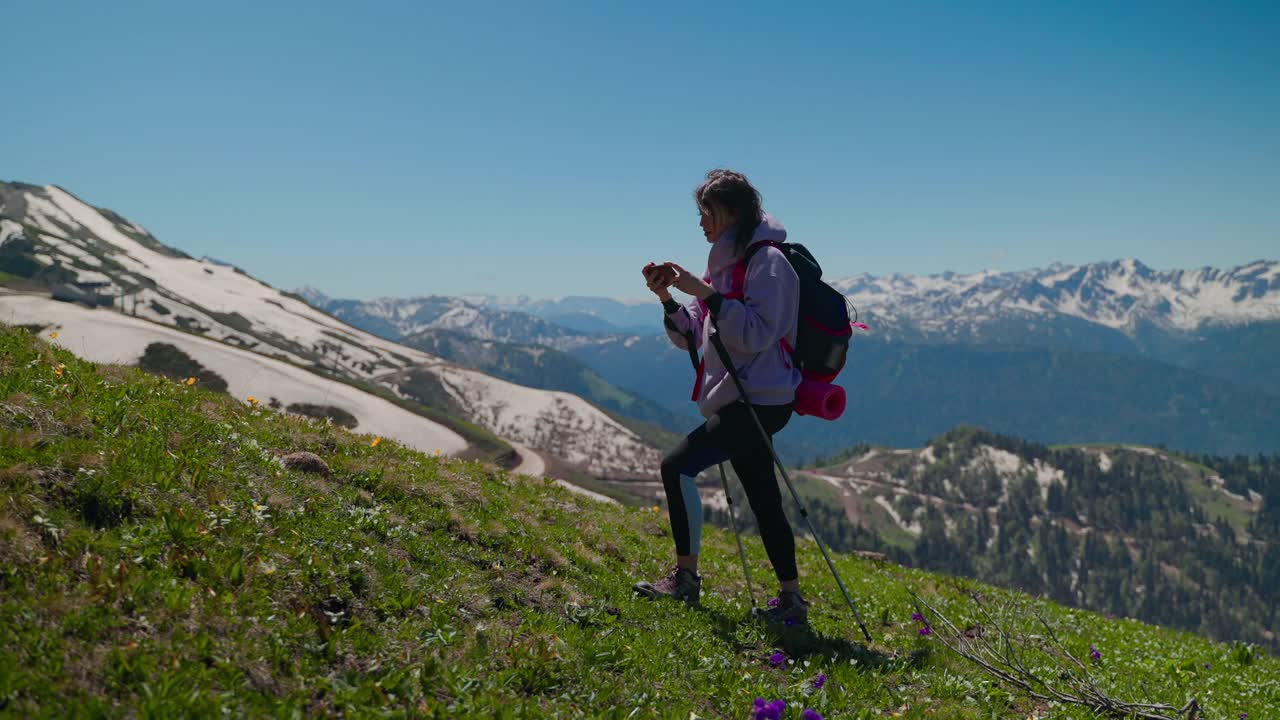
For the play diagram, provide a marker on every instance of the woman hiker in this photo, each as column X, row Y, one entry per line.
column 757, row 324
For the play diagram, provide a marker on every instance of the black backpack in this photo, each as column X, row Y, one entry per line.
column 824, row 327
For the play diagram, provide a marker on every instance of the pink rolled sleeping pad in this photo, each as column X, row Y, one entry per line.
column 820, row 399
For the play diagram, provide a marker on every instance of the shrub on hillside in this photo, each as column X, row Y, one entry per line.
column 165, row 359
column 320, row 412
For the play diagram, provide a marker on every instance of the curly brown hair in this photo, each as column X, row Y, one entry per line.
column 732, row 191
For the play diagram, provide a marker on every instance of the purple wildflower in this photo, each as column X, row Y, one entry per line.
column 819, row 681
column 1207, row 666
column 926, row 630
column 917, row 617
column 810, row 714
column 1244, row 716
column 777, row 659
column 1093, row 653
column 769, row 711
column 773, row 602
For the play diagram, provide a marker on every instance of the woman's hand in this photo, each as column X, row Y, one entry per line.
column 687, row 282
column 659, row 278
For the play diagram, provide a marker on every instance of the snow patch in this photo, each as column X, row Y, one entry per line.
column 715, row 499
column 1003, row 462
column 9, row 229
column 531, row 463
column 1047, row 475
column 1104, row 462
column 833, row 481
column 912, row 527
column 106, row 336
column 44, row 212
column 585, row 492
column 1220, row 485
column 559, row 422
column 92, row 276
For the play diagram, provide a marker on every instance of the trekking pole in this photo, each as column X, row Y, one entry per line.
column 733, row 372
column 724, row 482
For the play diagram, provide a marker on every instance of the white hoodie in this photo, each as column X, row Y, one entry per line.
column 750, row 328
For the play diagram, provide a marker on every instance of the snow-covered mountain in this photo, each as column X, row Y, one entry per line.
column 397, row 318
column 113, row 337
column 48, row 237
column 1123, row 295
column 583, row 313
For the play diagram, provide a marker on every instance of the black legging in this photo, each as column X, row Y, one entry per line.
column 732, row 435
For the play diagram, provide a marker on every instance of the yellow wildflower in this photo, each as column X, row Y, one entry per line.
column 376, row 442
column 191, row 381
column 57, row 370
column 437, row 452
column 253, row 400
column 53, row 336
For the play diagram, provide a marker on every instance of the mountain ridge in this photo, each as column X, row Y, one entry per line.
column 49, row 235
column 1116, row 294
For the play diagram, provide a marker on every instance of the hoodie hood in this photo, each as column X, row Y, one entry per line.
column 722, row 252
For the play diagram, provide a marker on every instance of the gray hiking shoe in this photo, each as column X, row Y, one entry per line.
column 789, row 609
column 680, row 584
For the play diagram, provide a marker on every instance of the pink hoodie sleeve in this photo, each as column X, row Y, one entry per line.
column 683, row 321
column 768, row 308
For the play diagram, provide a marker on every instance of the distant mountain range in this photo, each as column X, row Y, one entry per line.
column 1110, row 350
column 1123, row 295
column 401, row 317
column 1118, row 306
column 578, row 312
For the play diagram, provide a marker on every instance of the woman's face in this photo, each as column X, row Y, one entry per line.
column 714, row 220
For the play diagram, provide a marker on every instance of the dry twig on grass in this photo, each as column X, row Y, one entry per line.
column 1020, row 661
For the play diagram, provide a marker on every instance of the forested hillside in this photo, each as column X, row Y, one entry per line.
column 1184, row 540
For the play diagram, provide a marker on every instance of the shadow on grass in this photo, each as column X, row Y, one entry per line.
column 801, row 642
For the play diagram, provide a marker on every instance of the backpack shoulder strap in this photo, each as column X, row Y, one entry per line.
column 740, row 269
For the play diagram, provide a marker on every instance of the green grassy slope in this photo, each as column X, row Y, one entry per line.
column 156, row 560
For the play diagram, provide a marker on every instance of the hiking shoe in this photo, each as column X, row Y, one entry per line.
column 680, row 583
column 789, row 609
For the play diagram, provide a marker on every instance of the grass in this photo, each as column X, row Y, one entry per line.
column 156, row 560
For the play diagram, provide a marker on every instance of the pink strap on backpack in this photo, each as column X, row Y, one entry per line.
column 737, row 291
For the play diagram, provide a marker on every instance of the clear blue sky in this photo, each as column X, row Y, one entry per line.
column 549, row 149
